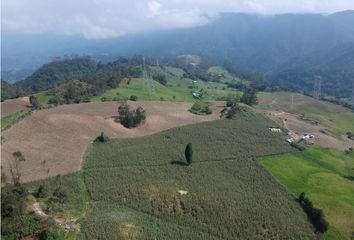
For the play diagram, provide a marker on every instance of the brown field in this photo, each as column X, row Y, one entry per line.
column 12, row 106
column 298, row 127
column 54, row 140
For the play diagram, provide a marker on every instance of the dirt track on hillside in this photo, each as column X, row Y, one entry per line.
column 299, row 127
column 53, row 141
column 12, row 106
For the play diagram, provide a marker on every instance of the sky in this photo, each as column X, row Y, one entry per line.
column 96, row 19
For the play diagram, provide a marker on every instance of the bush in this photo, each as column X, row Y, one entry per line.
column 41, row 192
column 60, row 193
column 298, row 146
column 18, row 156
column 201, row 109
column 189, row 153
column 105, row 99
column 130, row 118
column 103, row 138
column 35, row 102
column 133, row 98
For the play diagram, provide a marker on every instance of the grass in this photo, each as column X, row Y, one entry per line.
column 226, row 77
column 176, row 89
column 10, row 120
column 134, row 185
column 338, row 123
column 43, row 98
column 323, row 175
column 75, row 204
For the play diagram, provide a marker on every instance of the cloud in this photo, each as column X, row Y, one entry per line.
column 111, row 18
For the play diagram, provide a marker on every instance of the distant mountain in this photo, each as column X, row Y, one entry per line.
column 9, row 91
column 301, row 45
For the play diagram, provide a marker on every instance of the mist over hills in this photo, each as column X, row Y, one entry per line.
column 289, row 49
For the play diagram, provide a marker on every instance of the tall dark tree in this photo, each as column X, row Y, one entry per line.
column 249, row 96
column 189, row 153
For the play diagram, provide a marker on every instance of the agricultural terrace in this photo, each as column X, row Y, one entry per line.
column 142, row 188
column 11, row 106
column 326, row 176
column 54, row 140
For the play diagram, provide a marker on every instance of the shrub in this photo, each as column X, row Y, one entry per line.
column 298, row 146
column 18, row 156
column 350, row 135
column 102, row 138
column 201, row 109
column 41, row 192
column 189, row 153
column 160, row 78
column 60, row 193
column 130, row 118
column 34, row 102
column 133, row 98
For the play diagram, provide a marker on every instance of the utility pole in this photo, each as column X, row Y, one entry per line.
column 317, row 87
column 353, row 95
column 292, row 101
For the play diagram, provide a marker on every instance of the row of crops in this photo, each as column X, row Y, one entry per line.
column 139, row 190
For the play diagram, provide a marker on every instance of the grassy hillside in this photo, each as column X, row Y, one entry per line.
column 177, row 88
column 8, row 121
column 337, row 119
column 135, row 183
column 324, row 175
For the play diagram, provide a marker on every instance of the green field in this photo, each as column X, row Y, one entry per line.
column 8, row 121
column 337, row 119
column 324, row 175
column 134, row 184
column 176, row 89
column 225, row 76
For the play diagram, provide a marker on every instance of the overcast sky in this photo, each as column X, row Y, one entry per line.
column 111, row 18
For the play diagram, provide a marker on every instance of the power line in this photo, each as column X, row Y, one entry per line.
column 148, row 82
column 317, row 87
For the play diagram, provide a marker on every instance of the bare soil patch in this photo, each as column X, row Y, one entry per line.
column 12, row 106
column 54, row 140
column 298, row 127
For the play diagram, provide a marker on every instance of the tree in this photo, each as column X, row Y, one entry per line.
column 102, row 138
column 34, row 102
column 130, row 118
column 249, row 96
column 189, row 153
column 315, row 215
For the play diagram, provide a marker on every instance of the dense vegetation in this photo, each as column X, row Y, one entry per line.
column 201, row 108
column 100, row 76
column 130, row 118
column 315, row 215
column 325, row 176
column 141, row 188
column 9, row 91
column 61, row 198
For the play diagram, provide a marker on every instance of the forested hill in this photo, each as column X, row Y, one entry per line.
column 289, row 49
column 101, row 76
column 335, row 69
column 59, row 70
